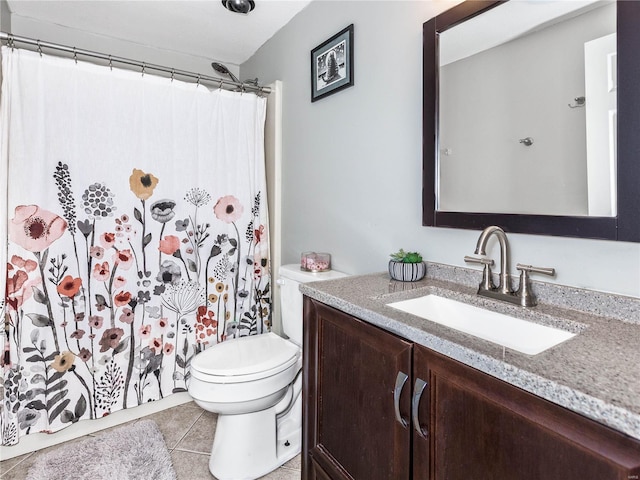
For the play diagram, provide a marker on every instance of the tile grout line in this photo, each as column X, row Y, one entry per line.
column 293, row 469
column 185, row 450
column 2, row 474
column 186, row 433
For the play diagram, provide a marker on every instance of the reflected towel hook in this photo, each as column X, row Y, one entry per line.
column 578, row 102
column 528, row 141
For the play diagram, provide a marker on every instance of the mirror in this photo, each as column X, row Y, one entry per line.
column 507, row 109
column 510, row 136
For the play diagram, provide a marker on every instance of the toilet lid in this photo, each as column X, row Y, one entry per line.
column 246, row 355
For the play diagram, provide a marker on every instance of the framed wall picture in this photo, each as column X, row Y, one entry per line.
column 332, row 65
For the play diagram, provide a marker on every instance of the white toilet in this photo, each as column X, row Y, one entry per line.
column 254, row 385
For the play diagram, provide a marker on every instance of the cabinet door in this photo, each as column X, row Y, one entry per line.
column 351, row 427
column 483, row 428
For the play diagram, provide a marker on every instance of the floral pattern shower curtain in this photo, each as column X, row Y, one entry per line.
column 136, row 235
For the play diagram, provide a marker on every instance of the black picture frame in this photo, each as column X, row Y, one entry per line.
column 335, row 54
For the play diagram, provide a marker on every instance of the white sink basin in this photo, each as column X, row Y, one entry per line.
column 521, row 335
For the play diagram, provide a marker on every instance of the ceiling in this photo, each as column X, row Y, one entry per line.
column 200, row 28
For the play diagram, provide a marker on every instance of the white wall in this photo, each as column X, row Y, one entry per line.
column 5, row 16
column 352, row 161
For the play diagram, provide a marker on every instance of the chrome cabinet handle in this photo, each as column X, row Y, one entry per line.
column 415, row 403
column 401, row 379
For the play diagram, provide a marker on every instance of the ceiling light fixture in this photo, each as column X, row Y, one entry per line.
column 239, row 6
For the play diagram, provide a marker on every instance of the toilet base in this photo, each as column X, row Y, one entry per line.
column 251, row 445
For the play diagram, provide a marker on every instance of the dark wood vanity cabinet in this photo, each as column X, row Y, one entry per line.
column 350, row 371
column 463, row 424
column 486, row 429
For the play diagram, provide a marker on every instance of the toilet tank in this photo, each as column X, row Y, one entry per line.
column 290, row 278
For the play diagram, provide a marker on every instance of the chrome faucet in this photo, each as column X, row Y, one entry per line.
column 524, row 295
column 481, row 249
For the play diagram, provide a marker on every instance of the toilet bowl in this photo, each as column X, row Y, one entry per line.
column 265, row 367
column 254, row 384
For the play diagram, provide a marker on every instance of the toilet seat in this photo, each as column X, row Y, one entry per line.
column 245, row 359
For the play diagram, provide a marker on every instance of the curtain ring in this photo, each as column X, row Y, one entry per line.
column 110, row 63
column 173, row 73
column 10, row 42
column 220, row 87
column 39, row 47
column 144, row 65
column 198, row 82
column 242, row 89
column 75, row 55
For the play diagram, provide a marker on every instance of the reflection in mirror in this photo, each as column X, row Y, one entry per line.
column 527, row 110
column 625, row 224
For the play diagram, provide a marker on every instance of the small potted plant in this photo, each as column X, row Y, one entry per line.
column 407, row 266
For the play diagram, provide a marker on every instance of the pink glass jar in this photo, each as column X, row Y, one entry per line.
column 315, row 262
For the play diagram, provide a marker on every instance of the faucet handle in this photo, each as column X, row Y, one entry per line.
column 527, row 298
column 487, row 282
column 478, row 260
column 531, row 269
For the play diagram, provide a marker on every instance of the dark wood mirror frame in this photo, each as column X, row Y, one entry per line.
column 626, row 225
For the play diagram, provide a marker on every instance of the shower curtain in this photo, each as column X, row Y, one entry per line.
column 135, row 235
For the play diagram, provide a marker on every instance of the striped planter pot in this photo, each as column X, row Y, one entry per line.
column 407, row 272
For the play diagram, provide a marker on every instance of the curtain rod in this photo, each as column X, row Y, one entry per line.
column 10, row 39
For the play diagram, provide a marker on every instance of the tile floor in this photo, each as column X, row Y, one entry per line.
column 188, row 432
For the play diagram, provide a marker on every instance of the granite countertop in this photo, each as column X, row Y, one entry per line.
column 596, row 373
